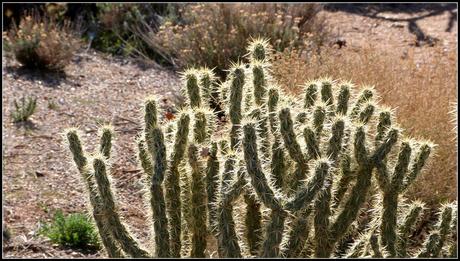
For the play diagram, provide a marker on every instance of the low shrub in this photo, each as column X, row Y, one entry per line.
column 74, row 230
column 213, row 34
column 112, row 31
column 39, row 42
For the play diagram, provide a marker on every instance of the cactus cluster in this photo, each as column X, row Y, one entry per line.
column 319, row 176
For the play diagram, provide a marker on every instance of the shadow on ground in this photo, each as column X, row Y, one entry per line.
column 375, row 10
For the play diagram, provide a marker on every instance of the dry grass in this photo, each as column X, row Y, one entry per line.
column 421, row 89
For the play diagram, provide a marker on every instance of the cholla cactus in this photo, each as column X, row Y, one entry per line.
column 304, row 166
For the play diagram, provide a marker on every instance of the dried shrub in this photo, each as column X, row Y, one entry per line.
column 41, row 42
column 214, row 34
column 421, row 88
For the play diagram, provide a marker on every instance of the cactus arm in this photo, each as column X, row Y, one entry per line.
column 364, row 96
column 390, row 200
column 444, row 229
column 310, row 95
column 253, row 223
column 306, row 194
column 289, row 137
column 342, row 99
column 420, row 160
column 323, row 202
column 298, row 234
column 272, row 104
column 382, row 151
column 106, row 141
column 198, row 204
column 127, row 243
column 319, row 115
column 236, row 96
column 193, row 90
column 345, row 179
column 254, row 169
column 212, row 171
column 274, row 233
column 374, row 241
column 430, row 245
column 278, row 167
column 407, row 227
column 312, row 143
column 383, row 125
column 366, row 114
column 321, row 221
column 293, row 148
column 157, row 200
column 358, row 193
column 326, row 93
column 259, row 83
column 172, row 184
column 80, row 160
column 227, row 238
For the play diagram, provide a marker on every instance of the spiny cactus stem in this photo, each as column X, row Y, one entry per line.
column 419, row 162
column 80, row 159
column 278, row 167
column 193, row 90
column 375, row 246
column 444, row 229
column 253, row 222
column 77, row 151
column 259, row 84
column 365, row 95
column 346, row 178
column 381, row 152
column 406, row 228
column 227, row 238
column 298, row 234
column 342, row 100
column 274, row 233
column 390, row 200
column 382, row 126
column 321, row 220
column 351, row 207
column 212, row 171
column 272, row 104
column 198, row 204
column 106, row 142
column 306, row 194
column 172, row 184
column 114, row 224
column 254, row 169
column 312, row 143
column 430, row 245
column 310, row 95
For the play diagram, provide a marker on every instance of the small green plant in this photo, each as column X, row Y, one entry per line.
column 74, row 230
column 23, row 111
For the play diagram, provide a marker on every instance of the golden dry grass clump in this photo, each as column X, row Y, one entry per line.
column 421, row 89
